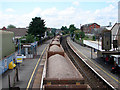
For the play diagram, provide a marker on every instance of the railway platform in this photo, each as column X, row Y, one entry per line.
column 27, row 71
column 104, row 73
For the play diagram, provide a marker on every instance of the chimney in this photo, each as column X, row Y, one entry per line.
column 119, row 12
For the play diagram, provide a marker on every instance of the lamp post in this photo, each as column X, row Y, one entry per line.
column 19, row 46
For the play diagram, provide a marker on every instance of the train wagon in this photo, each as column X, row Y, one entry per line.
column 60, row 72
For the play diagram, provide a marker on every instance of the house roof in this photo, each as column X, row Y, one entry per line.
column 90, row 24
column 4, row 28
column 18, row 31
column 116, row 24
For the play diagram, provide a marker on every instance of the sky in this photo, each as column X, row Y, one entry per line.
column 58, row 13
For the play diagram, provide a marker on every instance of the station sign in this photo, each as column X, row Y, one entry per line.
column 19, row 58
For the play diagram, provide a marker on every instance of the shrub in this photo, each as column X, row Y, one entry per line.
column 93, row 38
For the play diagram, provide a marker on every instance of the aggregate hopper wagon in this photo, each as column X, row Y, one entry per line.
column 60, row 73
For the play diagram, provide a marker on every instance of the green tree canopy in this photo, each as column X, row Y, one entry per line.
column 11, row 26
column 29, row 38
column 65, row 29
column 79, row 34
column 72, row 28
column 37, row 27
column 82, row 34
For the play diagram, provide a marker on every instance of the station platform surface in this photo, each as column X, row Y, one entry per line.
column 99, row 67
column 26, row 71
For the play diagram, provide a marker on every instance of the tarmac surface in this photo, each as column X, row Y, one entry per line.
column 25, row 71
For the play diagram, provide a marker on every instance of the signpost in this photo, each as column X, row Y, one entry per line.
column 19, row 58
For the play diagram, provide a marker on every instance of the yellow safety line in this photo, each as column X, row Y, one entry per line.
column 97, row 65
column 35, row 69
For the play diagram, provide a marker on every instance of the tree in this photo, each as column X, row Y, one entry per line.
column 29, row 38
column 37, row 27
column 93, row 38
column 82, row 34
column 11, row 26
column 54, row 31
column 65, row 29
column 72, row 28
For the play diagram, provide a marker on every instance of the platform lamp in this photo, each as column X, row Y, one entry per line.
column 19, row 46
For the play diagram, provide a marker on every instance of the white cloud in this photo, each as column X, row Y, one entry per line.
column 112, row 1
column 76, row 3
column 49, row 12
column 57, row 18
column 58, row 0
column 9, row 10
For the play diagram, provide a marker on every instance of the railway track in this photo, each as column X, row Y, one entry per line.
column 90, row 77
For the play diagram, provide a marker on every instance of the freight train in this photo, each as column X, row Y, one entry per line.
column 60, row 72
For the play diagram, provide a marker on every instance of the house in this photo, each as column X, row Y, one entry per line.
column 48, row 30
column 89, row 28
column 116, row 32
column 18, row 32
column 4, row 28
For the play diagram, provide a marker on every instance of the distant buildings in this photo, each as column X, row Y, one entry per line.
column 90, row 28
column 115, row 30
column 18, row 32
column 49, row 30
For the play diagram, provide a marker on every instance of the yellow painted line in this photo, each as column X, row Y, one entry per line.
column 35, row 69
column 97, row 65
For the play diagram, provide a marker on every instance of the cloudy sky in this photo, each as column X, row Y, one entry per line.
column 57, row 13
